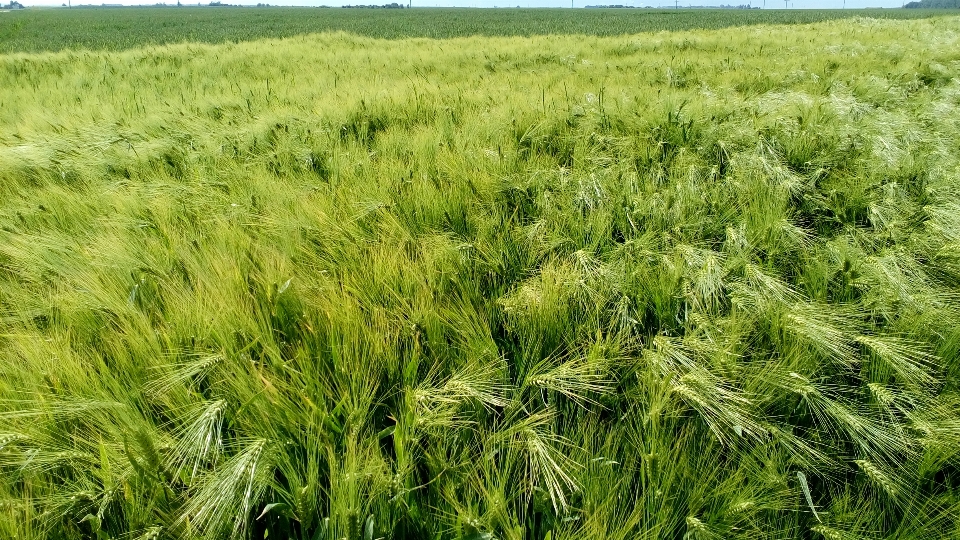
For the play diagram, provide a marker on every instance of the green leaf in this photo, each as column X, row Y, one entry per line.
column 386, row 432
column 368, row 528
column 278, row 508
column 806, row 493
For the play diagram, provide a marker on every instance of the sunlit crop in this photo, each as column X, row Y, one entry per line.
column 111, row 29
column 692, row 285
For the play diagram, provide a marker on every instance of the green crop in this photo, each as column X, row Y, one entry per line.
column 691, row 285
column 121, row 28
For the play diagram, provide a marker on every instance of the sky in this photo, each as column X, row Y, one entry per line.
column 770, row 4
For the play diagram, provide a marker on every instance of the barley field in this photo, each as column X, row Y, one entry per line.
column 687, row 285
column 39, row 30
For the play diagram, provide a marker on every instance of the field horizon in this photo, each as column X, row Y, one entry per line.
column 55, row 29
column 679, row 285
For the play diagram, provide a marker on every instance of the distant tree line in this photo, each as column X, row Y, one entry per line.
column 934, row 4
column 722, row 6
column 394, row 5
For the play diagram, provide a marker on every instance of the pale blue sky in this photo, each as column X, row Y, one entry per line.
column 770, row 4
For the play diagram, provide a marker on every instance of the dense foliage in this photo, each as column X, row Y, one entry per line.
column 121, row 28
column 694, row 285
column 933, row 4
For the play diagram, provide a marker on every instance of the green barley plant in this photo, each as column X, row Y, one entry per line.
column 38, row 30
column 684, row 285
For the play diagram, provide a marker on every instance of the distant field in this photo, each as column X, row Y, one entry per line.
column 112, row 29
